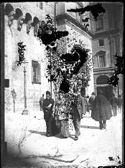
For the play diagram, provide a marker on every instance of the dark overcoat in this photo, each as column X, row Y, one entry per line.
column 48, row 112
column 101, row 108
column 78, row 108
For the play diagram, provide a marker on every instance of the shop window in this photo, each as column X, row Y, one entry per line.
column 36, row 74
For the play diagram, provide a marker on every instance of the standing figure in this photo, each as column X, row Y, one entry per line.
column 87, row 103
column 41, row 102
column 114, row 104
column 77, row 111
column 91, row 100
column 101, row 109
column 120, row 105
column 62, row 117
column 48, row 104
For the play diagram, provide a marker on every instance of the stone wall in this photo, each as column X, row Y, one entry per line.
column 35, row 50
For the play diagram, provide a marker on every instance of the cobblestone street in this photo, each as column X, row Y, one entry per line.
column 37, row 150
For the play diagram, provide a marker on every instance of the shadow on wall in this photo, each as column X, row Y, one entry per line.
column 37, row 132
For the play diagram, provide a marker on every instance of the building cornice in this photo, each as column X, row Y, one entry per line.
column 68, row 23
column 67, row 17
column 107, row 33
column 103, row 70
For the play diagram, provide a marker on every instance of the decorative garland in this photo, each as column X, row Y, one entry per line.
column 21, row 49
column 69, row 72
column 94, row 9
column 47, row 33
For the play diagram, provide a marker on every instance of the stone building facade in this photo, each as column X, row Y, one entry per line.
column 107, row 41
column 35, row 53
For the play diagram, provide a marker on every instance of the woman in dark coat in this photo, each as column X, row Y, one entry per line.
column 101, row 110
column 114, row 103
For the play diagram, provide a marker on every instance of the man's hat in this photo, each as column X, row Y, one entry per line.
column 47, row 92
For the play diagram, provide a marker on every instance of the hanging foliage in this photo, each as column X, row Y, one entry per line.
column 119, row 69
column 47, row 33
column 69, row 72
column 21, row 49
column 94, row 9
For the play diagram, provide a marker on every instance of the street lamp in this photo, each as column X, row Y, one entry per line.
column 22, row 61
column 25, row 111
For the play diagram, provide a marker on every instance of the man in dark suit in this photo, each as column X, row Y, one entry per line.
column 48, row 104
column 77, row 111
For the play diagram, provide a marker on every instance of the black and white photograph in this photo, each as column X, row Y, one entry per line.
column 62, row 93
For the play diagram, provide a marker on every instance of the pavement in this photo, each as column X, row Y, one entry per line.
column 28, row 145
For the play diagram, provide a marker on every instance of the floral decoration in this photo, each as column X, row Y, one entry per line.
column 70, row 71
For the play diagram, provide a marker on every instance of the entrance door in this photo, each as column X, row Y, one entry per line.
column 107, row 91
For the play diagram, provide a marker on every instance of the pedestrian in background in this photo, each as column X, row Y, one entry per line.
column 41, row 102
column 120, row 101
column 91, row 100
column 114, row 104
column 101, row 110
column 87, row 103
column 48, row 104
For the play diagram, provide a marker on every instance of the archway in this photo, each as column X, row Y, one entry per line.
column 103, row 79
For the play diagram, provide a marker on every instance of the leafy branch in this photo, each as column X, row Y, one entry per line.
column 119, row 69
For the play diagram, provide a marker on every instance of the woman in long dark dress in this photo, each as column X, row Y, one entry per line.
column 101, row 109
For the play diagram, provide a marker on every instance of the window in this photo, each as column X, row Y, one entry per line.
column 102, row 79
column 101, row 42
column 36, row 75
column 99, row 59
column 40, row 5
column 99, row 23
column 102, row 60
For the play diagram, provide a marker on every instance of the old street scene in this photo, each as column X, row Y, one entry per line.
column 64, row 101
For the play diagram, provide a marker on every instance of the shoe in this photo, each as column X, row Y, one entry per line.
column 79, row 134
column 47, row 134
column 104, row 126
column 76, row 138
column 101, row 126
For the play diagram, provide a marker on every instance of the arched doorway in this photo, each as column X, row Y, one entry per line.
column 102, row 85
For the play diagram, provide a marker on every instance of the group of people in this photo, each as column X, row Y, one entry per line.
column 101, row 111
